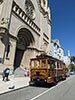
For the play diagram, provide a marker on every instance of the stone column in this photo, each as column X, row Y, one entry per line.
column 4, row 25
column 11, row 55
column 6, row 9
column 49, row 35
column 2, row 51
column 41, row 32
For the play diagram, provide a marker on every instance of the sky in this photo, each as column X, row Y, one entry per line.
column 63, row 23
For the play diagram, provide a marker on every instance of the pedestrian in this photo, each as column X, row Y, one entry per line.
column 25, row 73
column 6, row 74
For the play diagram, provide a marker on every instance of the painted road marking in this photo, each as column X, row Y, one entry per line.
column 60, row 83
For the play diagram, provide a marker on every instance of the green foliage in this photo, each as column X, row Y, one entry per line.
column 72, row 67
column 73, row 59
column 67, row 69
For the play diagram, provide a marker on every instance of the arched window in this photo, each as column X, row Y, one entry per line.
column 1, row 2
column 29, row 9
column 44, row 4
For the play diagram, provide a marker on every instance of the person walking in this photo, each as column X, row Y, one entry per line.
column 6, row 74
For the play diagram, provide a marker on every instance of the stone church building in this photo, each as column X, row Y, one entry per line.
column 25, row 31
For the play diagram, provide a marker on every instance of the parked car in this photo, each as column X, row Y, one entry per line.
column 67, row 74
column 72, row 72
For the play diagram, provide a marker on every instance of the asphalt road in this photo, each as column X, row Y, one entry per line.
column 64, row 90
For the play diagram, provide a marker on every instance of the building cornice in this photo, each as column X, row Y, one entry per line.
column 22, row 15
column 35, row 49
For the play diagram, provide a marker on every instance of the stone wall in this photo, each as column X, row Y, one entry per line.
column 14, row 17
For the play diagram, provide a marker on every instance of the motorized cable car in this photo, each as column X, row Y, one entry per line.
column 46, row 69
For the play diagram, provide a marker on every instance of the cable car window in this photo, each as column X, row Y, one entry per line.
column 44, row 63
column 52, row 66
column 49, row 64
column 38, row 63
column 32, row 63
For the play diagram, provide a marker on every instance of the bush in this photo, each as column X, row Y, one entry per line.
column 72, row 67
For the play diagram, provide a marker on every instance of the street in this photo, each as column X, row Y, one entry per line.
column 64, row 90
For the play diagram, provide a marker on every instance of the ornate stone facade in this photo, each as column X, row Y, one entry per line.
column 25, row 31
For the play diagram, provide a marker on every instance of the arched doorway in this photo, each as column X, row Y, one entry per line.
column 25, row 38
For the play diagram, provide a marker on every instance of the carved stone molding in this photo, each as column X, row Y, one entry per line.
column 42, row 6
column 44, row 9
column 24, row 17
column 29, row 9
column 3, row 26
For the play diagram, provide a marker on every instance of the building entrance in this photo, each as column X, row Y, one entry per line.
column 24, row 39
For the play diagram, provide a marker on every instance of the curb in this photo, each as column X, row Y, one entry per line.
column 11, row 90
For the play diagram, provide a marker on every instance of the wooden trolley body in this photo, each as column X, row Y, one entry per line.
column 46, row 69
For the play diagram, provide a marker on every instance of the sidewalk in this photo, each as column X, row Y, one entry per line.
column 18, row 82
